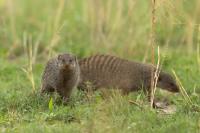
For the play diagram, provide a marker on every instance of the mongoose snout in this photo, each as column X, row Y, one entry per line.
column 167, row 82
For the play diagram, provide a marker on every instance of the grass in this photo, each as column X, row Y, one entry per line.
column 33, row 31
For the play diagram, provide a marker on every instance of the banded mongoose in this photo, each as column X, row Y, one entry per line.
column 106, row 71
column 61, row 74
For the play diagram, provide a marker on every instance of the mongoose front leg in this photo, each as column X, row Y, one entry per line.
column 64, row 93
column 47, row 88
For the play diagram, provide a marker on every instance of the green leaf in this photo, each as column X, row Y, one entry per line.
column 51, row 104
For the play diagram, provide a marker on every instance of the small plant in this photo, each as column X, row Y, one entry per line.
column 51, row 104
column 28, row 48
column 89, row 92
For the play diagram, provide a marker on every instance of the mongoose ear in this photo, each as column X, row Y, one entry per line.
column 59, row 57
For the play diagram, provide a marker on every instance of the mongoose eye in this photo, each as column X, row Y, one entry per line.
column 63, row 60
column 59, row 57
column 70, row 60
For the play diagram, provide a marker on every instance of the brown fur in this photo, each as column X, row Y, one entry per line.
column 106, row 71
column 61, row 74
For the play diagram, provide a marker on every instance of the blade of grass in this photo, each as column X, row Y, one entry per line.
column 182, row 89
column 198, row 47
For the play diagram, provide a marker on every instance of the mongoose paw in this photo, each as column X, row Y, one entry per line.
column 65, row 100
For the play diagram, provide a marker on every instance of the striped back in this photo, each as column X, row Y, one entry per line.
column 101, row 63
column 108, row 71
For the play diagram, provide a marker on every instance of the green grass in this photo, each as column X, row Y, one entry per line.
column 123, row 30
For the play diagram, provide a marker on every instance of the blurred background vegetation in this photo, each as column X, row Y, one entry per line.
column 119, row 27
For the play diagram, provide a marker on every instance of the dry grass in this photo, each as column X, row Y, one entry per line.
column 11, row 16
column 31, row 53
column 153, row 43
column 57, row 27
column 182, row 90
column 198, row 48
column 155, row 77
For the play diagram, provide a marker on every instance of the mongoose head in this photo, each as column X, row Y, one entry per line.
column 67, row 61
column 167, row 82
